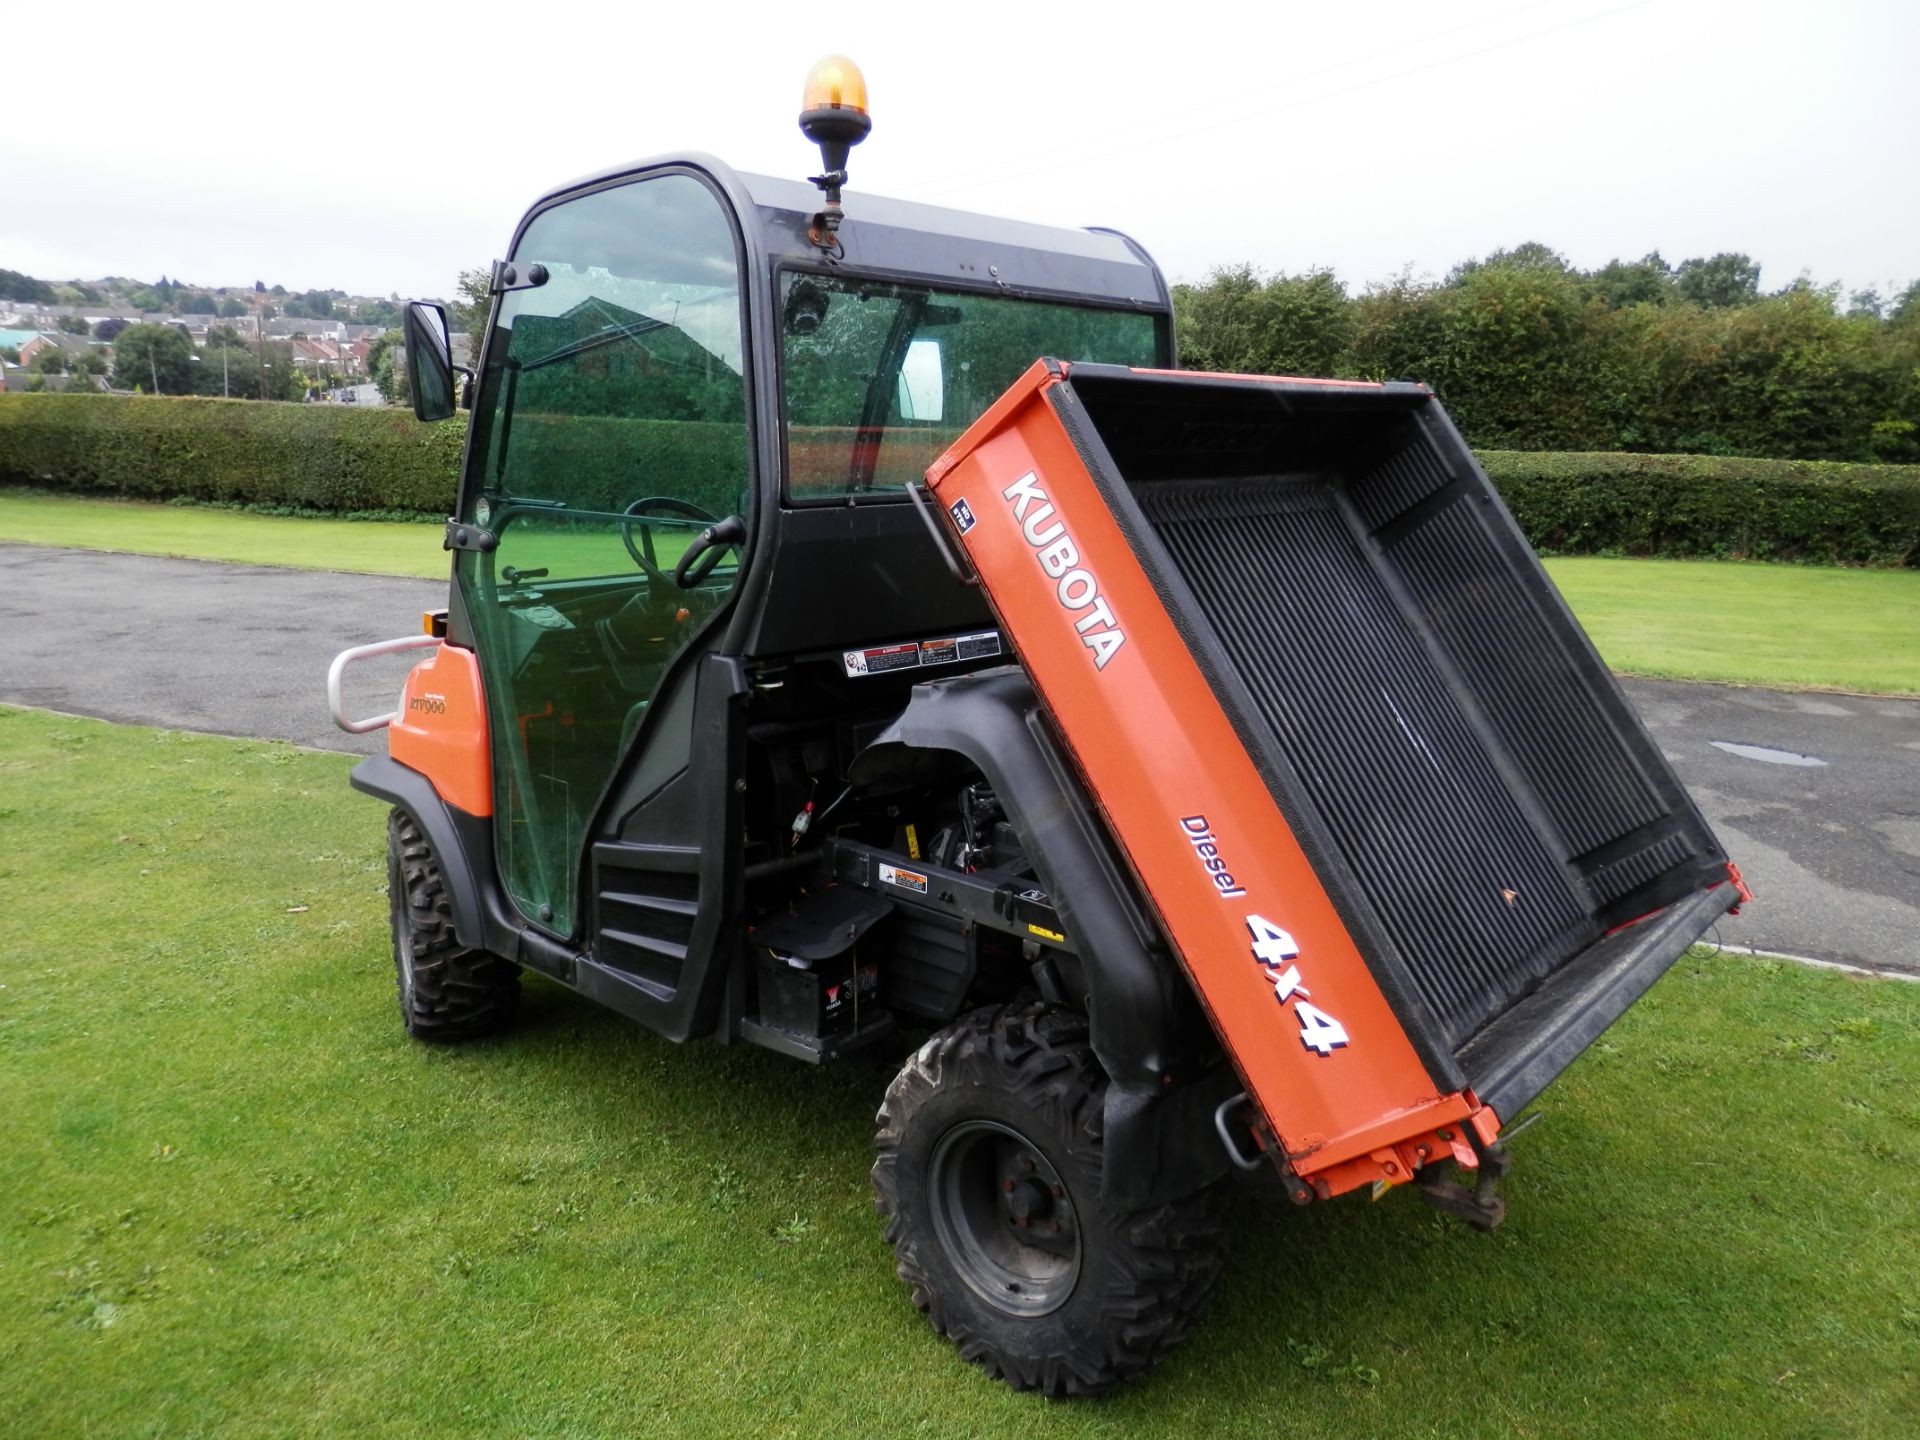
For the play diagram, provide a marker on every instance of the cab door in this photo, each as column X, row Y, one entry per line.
column 610, row 434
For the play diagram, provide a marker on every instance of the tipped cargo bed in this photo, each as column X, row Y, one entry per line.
column 1471, row 788
column 1428, row 714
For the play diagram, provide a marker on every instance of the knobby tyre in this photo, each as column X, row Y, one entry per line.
column 989, row 1158
column 447, row 992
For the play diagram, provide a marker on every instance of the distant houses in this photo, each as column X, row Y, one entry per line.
column 325, row 347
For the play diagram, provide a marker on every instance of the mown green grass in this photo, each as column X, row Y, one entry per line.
column 360, row 547
column 1793, row 626
column 235, row 1200
column 1797, row 626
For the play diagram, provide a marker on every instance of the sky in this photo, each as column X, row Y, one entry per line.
column 382, row 149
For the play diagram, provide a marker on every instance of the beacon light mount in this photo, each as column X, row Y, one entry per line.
column 833, row 114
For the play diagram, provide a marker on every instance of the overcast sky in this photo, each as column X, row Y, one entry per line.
column 381, row 148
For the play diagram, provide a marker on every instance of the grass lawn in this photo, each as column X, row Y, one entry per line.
column 1791, row 626
column 235, row 1200
column 1796, row 626
column 361, row 547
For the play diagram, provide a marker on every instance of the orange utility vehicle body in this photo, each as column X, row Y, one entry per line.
column 1180, row 772
column 1139, row 645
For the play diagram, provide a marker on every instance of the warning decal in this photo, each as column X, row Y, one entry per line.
column 906, row 879
column 880, row 660
column 946, row 650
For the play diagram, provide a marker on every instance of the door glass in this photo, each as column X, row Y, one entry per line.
column 611, row 428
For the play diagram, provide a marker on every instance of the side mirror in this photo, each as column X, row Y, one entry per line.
column 429, row 360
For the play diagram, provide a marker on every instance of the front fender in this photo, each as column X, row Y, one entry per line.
column 462, row 843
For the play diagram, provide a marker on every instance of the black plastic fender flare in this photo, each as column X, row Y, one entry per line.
column 1147, row 1028
column 456, row 838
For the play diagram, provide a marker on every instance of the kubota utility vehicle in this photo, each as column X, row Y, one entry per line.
column 1205, row 761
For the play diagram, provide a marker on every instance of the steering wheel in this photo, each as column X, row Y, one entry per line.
column 662, row 505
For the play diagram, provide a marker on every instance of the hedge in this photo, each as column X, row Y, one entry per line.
column 1698, row 505
column 323, row 457
column 337, row 458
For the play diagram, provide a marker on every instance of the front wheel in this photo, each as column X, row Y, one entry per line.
column 988, row 1175
column 447, row 992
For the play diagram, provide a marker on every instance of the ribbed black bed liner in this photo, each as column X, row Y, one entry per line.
column 1472, row 786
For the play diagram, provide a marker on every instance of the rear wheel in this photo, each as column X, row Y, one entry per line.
column 988, row 1175
column 447, row 992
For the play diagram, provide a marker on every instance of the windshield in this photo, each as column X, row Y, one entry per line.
column 881, row 378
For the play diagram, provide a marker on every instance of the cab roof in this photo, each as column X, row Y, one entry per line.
column 922, row 242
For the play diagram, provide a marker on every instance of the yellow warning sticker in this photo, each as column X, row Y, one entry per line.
column 1044, row 934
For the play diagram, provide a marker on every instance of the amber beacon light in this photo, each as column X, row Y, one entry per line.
column 833, row 114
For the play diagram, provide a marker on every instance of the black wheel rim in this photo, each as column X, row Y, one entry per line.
column 1004, row 1218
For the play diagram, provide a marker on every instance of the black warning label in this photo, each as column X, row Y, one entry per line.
column 970, row 647
column 946, row 650
column 881, row 659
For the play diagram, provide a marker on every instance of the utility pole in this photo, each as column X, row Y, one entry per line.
column 260, row 347
column 153, row 369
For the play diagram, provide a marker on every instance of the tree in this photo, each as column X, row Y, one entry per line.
column 88, row 362
column 73, row 324
column 1528, row 255
column 278, row 290
column 1866, row 304
column 1279, row 325
column 16, row 286
column 1620, row 283
column 50, row 361
column 9, row 354
column 391, row 378
column 470, row 312
column 153, row 357
column 109, row 328
column 231, row 309
column 259, row 287
column 1720, row 283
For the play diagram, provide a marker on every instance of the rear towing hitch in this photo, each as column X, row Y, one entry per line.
column 1482, row 1207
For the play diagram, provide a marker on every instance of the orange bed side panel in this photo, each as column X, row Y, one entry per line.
column 441, row 729
column 1302, row 1017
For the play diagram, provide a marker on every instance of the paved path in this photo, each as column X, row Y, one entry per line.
column 235, row 649
column 1832, row 849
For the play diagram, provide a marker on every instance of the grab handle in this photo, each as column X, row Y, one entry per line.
column 336, row 706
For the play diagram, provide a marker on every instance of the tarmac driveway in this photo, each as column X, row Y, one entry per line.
column 1817, row 797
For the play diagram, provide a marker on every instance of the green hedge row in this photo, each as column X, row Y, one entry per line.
column 1685, row 505
column 323, row 457
column 336, row 458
